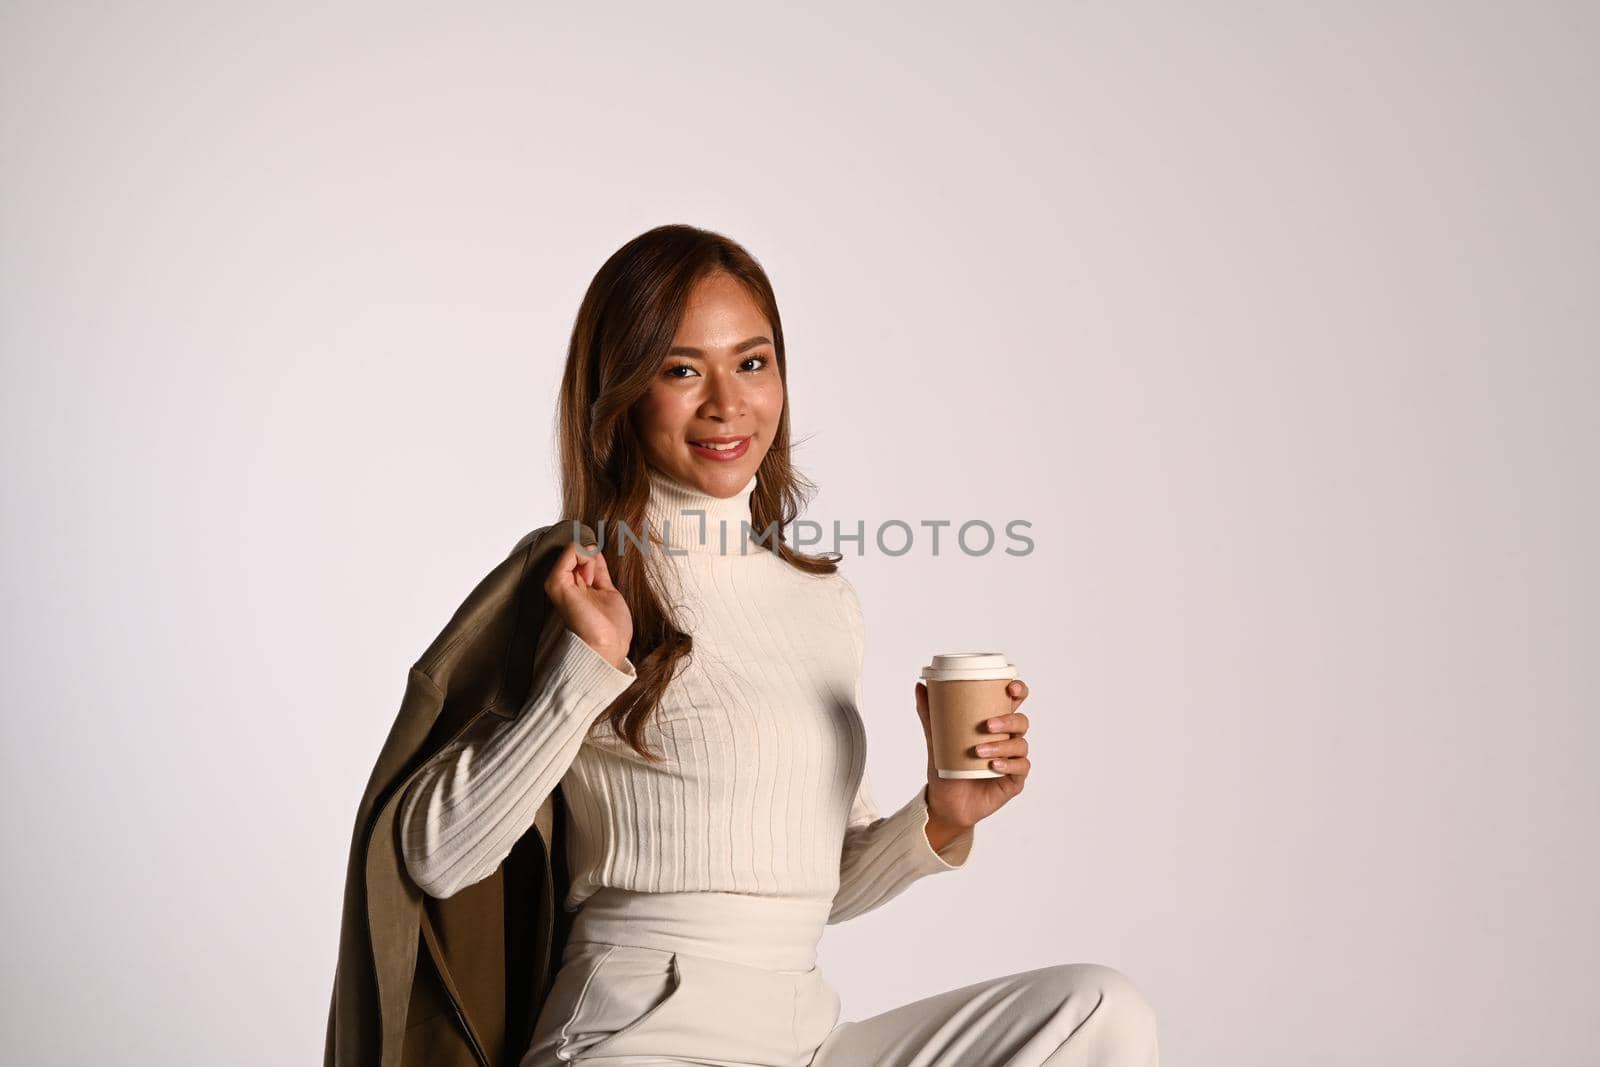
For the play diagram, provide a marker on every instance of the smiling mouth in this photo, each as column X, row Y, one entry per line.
column 727, row 446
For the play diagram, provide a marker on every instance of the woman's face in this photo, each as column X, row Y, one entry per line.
column 719, row 382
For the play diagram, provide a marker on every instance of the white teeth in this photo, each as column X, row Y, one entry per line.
column 719, row 448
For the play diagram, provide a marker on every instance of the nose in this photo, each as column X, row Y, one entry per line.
column 724, row 397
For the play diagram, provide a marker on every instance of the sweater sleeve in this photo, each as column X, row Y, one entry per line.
column 473, row 800
column 882, row 855
column 885, row 854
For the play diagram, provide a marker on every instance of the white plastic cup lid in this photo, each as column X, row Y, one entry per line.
column 969, row 667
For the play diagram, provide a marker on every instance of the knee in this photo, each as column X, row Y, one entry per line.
column 1120, row 1005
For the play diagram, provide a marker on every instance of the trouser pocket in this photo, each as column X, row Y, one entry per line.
column 624, row 987
column 599, row 991
column 622, row 1000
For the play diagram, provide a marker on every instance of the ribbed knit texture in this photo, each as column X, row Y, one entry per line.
column 763, row 789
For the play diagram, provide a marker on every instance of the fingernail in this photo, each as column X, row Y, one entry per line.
column 984, row 750
column 997, row 764
column 994, row 726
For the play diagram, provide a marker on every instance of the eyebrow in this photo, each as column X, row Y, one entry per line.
column 699, row 354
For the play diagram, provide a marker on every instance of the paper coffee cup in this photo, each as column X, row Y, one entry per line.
column 965, row 691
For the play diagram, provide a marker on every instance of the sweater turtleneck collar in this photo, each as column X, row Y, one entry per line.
column 672, row 513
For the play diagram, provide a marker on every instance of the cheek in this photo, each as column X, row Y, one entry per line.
column 661, row 414
column 769, row 402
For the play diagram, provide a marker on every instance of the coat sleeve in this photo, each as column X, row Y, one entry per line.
column 474, row 799
column 882, row 855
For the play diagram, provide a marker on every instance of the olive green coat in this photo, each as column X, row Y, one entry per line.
column 457, row 982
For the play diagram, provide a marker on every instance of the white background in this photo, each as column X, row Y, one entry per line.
column 1277, row 321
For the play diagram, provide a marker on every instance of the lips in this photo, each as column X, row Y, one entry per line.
column 722, row 448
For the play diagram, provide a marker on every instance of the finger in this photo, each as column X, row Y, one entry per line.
column 1016, row 766
column 591, row 560
column 561, row 571
column 1017, row 746
column 921, row 694
column 602, row 573
column 1018, row 692
column 1015, row 723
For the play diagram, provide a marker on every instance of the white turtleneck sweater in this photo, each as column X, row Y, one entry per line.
column 764, row 787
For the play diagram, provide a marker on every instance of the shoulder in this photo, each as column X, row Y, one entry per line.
column 827, row 599
column 527, row 539
column 847, row 590
column 847, row 603
column 540, row 538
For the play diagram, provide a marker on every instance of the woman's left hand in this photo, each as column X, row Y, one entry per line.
column 958, row 803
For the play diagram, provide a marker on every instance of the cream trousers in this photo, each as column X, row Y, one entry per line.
column 731, row 980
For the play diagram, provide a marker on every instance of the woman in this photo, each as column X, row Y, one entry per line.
column 698, row 704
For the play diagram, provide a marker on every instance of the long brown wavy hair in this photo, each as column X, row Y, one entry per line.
column 625, row 325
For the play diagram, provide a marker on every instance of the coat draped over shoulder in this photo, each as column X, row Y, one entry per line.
column 457, row 982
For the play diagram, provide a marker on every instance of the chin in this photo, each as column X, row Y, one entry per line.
column 720, row 481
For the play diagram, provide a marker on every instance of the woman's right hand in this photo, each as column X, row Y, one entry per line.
column 581, row 590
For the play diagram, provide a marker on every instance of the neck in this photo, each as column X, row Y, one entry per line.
column 674, row 510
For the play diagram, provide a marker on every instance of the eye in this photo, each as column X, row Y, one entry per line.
column 762, row 362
